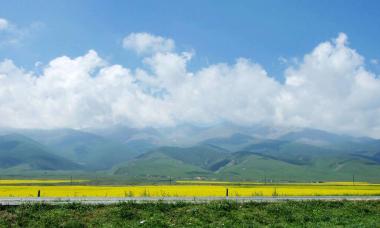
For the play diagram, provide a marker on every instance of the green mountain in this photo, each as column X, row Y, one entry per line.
column 248, row 153
column 176, row 162
column 270, row 159
column 20, row 151
column 206, row 157
column 292, row 152
column 159, row 165
column 92, row 151
column 251, row 166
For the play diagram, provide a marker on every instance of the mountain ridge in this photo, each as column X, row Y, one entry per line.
column 237, row 153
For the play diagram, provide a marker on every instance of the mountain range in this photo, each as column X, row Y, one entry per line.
column 223, row 152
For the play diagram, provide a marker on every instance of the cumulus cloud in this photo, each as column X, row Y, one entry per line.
column 331, row 90
column 328, row 89
column 145, row 43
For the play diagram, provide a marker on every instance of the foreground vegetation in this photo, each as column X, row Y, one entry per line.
column 214, row 214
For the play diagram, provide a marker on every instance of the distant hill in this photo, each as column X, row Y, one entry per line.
column 251, row 166
column 250, row 158
column 308, row 134
column 235, row 142
column 90, row 150
column 185, row 135
column 20, row 151
column 160, row 165
column 227, row 152
column 191, row 161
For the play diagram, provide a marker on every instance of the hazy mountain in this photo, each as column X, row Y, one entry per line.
column 317, row 137
column 90, row 150
column 306, row 154
column 20, row 151
column 139, row 140
column 184, row 134
column 126, row 134
column 222, row 151
column 232, row 143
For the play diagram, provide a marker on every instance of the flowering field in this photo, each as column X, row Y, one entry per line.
column 342, row 183
column 190, row 190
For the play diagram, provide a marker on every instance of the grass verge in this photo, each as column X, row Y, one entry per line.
column 214, row 214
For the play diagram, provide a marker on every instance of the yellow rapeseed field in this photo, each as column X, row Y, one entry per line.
column 215, row 182
column 343, row 183
column 188, row 190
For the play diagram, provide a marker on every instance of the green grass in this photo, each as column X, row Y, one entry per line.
column 214, row 214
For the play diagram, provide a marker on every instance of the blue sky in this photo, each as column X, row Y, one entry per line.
column 218, row 31
column 82, row 63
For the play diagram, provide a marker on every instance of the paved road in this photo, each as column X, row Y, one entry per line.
column 111, row 200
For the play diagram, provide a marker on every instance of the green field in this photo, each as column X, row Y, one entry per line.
column 214, row 214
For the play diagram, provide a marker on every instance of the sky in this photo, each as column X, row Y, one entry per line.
column 95, row 63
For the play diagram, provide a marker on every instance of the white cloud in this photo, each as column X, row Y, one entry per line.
column 14, row 35
column 328, row 89
column 331, row 90
column 3, row 24
column 145, row 43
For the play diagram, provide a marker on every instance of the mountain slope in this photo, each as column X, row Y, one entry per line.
column 292, row 152
column 205, row 157
column 139, row 140
column 264, row 159
column 232, row 143
column 251, row 166
column 92, row 151
column 158, row 164
column 173, row 161
column 17, row 150
column 225, row 152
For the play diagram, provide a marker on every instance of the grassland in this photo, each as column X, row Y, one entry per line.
column 214, row 214
column 186, row 189
column 38, row 181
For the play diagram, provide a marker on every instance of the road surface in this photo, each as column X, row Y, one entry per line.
column 112, row 200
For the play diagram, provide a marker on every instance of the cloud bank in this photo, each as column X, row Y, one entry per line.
column 328, row 89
